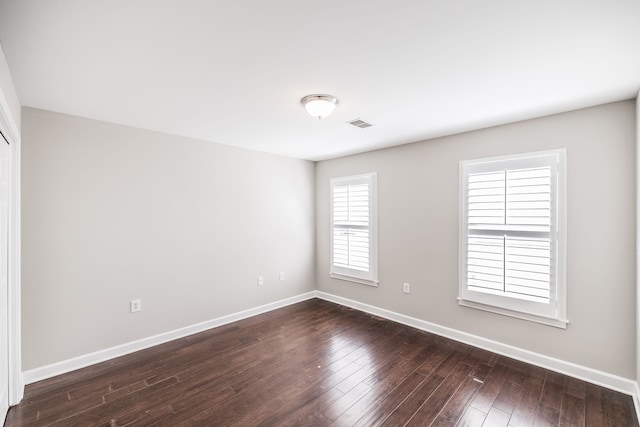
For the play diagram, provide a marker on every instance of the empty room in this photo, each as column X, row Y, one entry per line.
column 339, row 213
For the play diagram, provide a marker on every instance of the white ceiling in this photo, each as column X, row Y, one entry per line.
column 233, row 72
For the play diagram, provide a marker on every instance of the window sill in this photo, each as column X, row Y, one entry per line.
column 549, row 321
column 367, row 282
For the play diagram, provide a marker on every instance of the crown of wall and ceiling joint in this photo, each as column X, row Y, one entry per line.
column 360, row 123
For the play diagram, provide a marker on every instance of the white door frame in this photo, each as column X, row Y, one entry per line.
column 10, row 130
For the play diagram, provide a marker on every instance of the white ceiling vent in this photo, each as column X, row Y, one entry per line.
column 360, row 123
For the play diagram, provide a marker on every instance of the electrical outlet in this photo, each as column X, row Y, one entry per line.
column 260, row 280
column 406, row 288
column 281, row 275
column 135, row 305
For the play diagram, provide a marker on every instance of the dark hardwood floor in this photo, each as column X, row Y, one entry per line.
column 317, row 364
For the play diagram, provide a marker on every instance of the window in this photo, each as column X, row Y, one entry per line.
column 353, row 229
column 512, row 236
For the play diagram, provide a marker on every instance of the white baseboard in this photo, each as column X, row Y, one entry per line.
column 69, row 365
column 614, row 382
column 636, row 400
column 623, row 385
column 4, row 405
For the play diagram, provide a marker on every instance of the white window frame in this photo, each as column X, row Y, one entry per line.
column 555, row 312
column 369, row 277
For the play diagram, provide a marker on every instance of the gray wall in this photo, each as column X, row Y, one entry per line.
column 418, row 233
column 112, row 213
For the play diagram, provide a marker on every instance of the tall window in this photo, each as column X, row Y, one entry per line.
column 353, row 229
column 512, row 236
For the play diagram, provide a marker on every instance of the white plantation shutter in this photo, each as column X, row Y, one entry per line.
column 353, row 228
column 510, row 217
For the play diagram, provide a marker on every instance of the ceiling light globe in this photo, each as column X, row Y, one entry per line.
column 319, row 106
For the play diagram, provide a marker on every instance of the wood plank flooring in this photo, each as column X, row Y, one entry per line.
column 317, row 364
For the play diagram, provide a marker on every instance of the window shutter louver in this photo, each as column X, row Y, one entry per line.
column 351, row 210
column 351, row 226
column 512, row 202
column 510, row 230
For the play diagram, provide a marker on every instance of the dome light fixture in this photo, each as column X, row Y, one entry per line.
column 319, row 106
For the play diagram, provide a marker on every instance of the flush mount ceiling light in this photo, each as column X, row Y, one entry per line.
column 319, row 106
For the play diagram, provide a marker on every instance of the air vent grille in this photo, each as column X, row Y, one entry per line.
column 359, row 123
